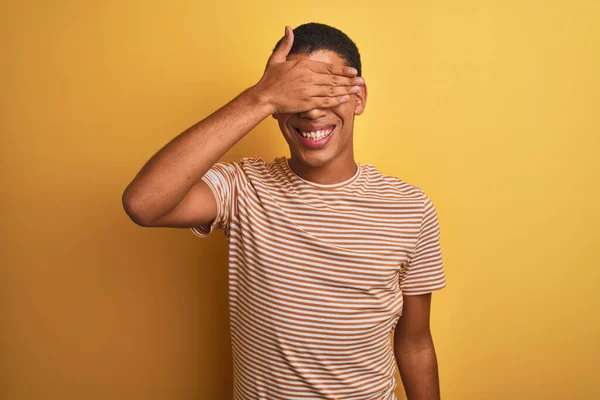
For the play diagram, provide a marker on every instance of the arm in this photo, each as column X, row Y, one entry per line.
column 173, row 171
column 168, row 190
column 414, row 351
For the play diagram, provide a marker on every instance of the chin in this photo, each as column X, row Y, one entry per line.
column 314, row 160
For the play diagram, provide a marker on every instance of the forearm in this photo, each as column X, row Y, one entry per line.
column 417, row 364
column 168, row 176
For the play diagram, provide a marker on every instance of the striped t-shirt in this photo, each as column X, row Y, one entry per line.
column 317, row 274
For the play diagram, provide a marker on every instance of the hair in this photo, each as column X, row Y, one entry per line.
column 312, row 37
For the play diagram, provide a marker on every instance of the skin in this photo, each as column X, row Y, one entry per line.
column 414, row 349
column 335, row 161
column 413, row 344
column 299, row 90
column 168, row 191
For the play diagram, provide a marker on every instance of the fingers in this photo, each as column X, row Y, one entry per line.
column 327, row 102
column 281, row 52
column 336, row 80
column 331, row 69
column 334, row 91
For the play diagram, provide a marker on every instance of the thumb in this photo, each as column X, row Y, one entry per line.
column 284, row 47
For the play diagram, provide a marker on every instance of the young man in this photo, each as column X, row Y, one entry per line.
column 325, row 253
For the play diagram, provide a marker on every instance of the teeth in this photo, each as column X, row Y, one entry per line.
column 316, row 135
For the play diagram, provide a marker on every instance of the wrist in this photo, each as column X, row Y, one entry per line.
column 259, row 99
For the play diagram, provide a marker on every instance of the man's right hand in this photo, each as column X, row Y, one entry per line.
column 168, row 190
column 302, row 85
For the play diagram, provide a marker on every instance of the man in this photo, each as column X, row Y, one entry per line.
column 325, row 253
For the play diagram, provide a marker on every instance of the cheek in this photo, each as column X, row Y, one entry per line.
column 282, row 120
column 344, row 111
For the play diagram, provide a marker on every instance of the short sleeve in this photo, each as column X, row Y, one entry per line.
column 224, row 180
column 424, row 269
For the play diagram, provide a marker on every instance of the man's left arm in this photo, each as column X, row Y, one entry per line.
column 414, row 351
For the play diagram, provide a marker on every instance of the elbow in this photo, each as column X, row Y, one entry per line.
column 135, row 209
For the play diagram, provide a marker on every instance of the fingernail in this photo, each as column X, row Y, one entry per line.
column 345, row 98
column 355, row 89
column 360, row 81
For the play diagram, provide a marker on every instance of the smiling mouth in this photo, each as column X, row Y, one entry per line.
column 316, row 135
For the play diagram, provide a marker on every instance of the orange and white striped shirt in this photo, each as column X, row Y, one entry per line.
column 317, row 275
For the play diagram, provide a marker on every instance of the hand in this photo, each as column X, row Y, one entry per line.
column 302, row 85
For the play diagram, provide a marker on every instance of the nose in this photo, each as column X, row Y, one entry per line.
column 315, row 113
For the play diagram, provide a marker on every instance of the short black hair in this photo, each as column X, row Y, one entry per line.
column 312, row 37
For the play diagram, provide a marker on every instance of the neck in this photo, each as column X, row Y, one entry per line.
column 337, row 171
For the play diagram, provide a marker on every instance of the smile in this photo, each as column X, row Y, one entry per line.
column 315, row 138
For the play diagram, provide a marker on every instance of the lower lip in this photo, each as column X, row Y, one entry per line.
column 316, row 143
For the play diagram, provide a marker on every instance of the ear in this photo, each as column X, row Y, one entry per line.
column 360, row 100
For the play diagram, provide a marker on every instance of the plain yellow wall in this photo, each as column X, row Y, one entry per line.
column 492, row 107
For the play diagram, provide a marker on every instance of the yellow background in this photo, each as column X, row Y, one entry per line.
column 491, row 107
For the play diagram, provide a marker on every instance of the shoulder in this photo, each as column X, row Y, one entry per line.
column 255, row 169
column 392, row 185
column 238, row 172
column 259, row 166
column 242, row 165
